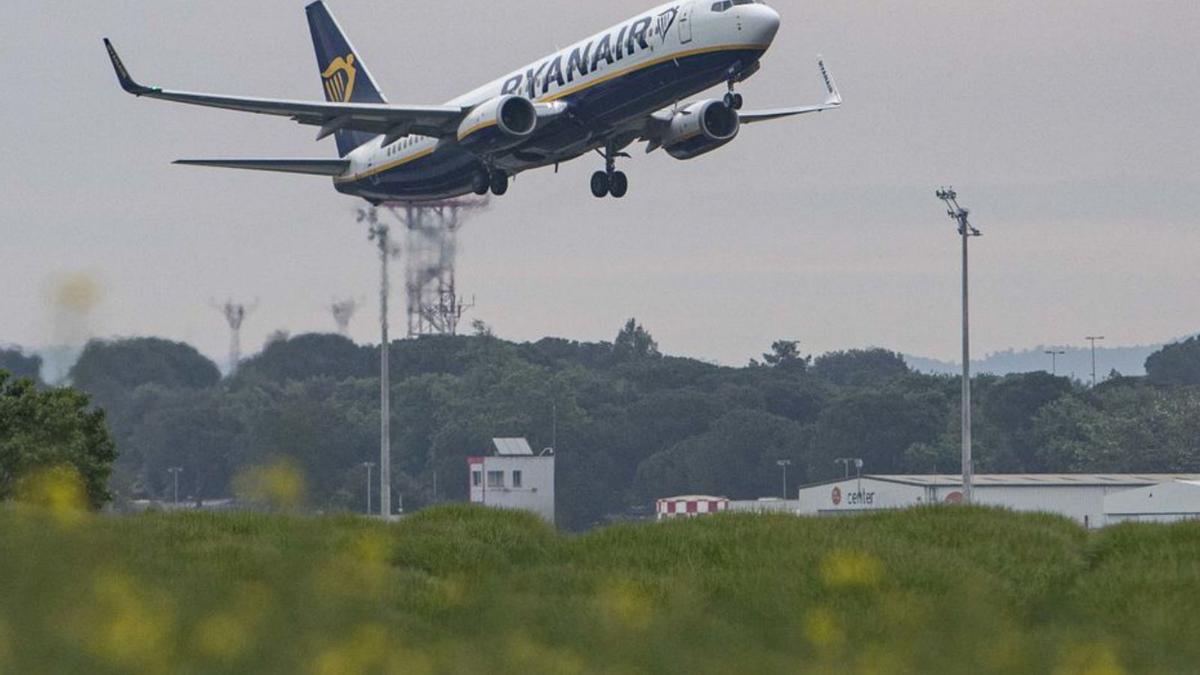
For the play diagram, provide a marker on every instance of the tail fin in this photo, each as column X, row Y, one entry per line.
column 344, row 75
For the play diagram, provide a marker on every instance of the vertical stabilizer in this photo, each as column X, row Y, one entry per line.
column 344, row 75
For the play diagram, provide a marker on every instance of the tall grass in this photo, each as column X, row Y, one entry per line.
column 464, row 590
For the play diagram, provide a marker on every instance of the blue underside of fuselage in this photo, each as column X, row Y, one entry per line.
column 592, row 114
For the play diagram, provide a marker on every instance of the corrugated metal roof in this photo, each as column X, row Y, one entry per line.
column 1028, row 479
column 512, row 447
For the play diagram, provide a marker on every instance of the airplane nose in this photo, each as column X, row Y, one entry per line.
column 762, row 22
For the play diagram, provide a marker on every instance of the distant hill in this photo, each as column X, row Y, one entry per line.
column 1077, row 361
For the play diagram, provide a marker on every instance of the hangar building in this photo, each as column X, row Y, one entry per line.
column 1094, row 500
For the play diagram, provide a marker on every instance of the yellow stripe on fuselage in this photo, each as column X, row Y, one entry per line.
column 477, row 128
column 557, row 95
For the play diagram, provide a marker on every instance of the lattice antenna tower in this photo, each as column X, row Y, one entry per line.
column 235, row 314
column 434, row 305
column 343, row 313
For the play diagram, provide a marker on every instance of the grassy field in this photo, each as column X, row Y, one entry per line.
column 460, row 590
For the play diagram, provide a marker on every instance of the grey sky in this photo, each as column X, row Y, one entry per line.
column 1068, row 127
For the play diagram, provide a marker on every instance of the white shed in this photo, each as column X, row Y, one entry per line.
column 1160, row 503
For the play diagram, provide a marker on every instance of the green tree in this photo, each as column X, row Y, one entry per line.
column 21, row 365
column 634, row 343
column 878, row 427
column 109, row 370
column 308, row 356
column 1176, row 364
column 737, row 458
column 1008, row 407
column 786, row 354
column 860, row 367
column 47, row 429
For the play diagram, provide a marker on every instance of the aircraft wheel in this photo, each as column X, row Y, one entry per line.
column 738, row 101
column 600, row 184
column 499, row 183
column 480, row 184
column 618, row 184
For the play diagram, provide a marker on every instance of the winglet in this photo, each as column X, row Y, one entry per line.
column 127, row 82
column 835, row 96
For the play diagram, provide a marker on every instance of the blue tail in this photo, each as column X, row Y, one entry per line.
column 344, row 75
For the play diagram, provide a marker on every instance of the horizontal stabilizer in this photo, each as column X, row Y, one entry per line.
column 312, row 167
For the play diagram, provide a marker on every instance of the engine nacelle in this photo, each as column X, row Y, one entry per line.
column 701, row 128
column 498, row 124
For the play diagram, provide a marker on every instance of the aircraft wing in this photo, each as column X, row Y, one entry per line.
column 311, row 167
column 833, row 101
column 391, row 121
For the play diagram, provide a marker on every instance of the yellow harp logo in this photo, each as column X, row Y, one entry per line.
column 339, row 79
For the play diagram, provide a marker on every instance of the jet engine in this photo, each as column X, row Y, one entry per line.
column 700, row 128
column 498, row 124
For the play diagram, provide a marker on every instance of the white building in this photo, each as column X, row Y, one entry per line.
column 514, row 478
column 1094, row 500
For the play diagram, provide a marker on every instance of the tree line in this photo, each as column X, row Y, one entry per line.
column 630, row 423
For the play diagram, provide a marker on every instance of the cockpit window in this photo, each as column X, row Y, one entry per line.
column 725, row 5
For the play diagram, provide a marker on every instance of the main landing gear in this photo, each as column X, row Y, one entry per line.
column 610, row 181
column 495, row 182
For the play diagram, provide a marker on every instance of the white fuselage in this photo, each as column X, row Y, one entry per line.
column 665, row 34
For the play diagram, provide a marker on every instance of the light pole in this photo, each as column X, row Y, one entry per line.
column 847, row 461
column 1054, row 354
column 175, row 471
column 784, row 464
column 380, row 233
column 369, row 465
column 1094, row 339
column 959, row 215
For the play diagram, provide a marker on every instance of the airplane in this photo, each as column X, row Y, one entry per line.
column 624, row 85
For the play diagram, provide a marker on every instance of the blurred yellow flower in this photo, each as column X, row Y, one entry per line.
column 527, row 656
column 1089, row 659
column 370, row 650
column 278, row 485
column 127, row 627
column 59, row 490
column 78, row 292
column 5, row 648
column 625, row 605
column 822, row 629
column 850, row 569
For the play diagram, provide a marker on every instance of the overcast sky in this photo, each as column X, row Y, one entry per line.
column 1069, row 128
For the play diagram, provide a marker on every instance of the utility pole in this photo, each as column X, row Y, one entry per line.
column 175, row 471
column 380, row 233
column 959, row 215
column 369, row 465
column 784, row 464
column 1054, row 354
column 1094, row 339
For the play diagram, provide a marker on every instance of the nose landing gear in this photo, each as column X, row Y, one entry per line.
column 610, row 181
column 733, row 100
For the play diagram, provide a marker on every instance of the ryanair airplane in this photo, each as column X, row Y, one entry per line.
column 603, row 94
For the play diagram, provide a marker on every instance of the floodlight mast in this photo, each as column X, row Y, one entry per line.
column 960, row 216
column 380, row 234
